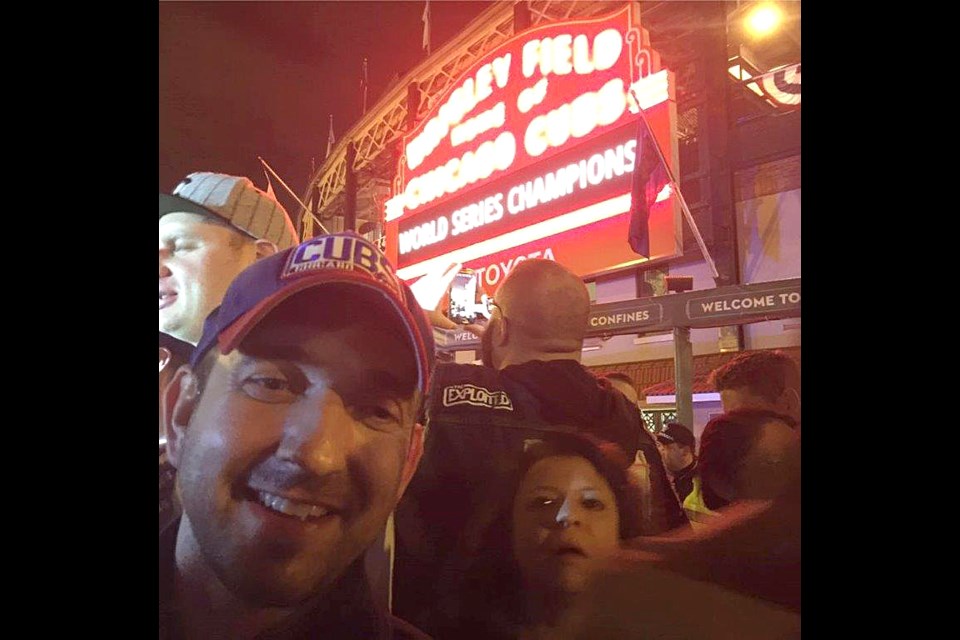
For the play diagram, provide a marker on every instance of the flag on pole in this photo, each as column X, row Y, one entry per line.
column 649, row 177
column 426, row 27
column 363, row 88
column 782, row 85
column 330, row 139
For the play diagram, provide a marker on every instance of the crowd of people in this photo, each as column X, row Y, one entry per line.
column 323, row 475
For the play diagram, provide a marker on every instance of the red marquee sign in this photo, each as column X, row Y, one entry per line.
column 531, row 154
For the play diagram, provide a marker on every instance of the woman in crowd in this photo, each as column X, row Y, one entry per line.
column 565, row 515
column 734, row 576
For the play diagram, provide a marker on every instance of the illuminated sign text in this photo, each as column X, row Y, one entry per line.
column 537, row 140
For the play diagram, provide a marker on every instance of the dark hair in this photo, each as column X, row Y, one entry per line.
column 725, row 442
column 764, row 373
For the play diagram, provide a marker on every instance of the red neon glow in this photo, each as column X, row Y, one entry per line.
column 545, row 92
column 574, row 120
column 588, row 250
column 573, row 220
column 558, row 84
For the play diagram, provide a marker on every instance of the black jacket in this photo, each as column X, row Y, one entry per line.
column 478, row 419
column 683, row 481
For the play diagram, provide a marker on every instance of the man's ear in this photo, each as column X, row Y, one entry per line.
column 265, row 248
column 501, row 332
column 179, row 401
column 414, row 453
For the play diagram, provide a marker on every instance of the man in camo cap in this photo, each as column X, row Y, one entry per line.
column 212, row 227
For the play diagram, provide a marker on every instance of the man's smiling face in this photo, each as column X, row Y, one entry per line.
column 299, row 445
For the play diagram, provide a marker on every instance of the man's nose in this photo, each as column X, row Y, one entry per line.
column 318, row 434
column 164, row 255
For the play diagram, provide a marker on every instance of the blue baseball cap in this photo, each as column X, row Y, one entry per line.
column 337, row 258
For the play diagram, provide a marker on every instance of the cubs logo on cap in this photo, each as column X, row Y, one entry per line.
column 344, row 258
column 345, row 252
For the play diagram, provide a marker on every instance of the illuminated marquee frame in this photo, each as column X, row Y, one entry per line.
column 531, row 154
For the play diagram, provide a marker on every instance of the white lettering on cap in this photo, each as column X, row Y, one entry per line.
column 348, row 253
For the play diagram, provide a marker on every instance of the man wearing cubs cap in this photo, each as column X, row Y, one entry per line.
column 294, row 432
column 212, row 227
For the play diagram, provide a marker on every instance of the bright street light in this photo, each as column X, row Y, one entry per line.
column 763, row 19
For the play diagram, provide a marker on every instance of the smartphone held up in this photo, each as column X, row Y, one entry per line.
column 468, row 303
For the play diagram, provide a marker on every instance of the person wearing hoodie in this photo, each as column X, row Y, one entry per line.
column 480, row 419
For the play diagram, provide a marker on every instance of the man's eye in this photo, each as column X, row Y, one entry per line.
column 183, row 245
column 379, row 416
column 268, row 389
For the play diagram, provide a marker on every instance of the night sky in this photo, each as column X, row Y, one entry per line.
column 242, row 79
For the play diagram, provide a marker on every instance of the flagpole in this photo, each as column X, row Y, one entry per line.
column 269, row 184
column 425, row 18
column 290, row 191
column 766, row 74
column 363, row 82
column 330, row 138
column 676, row 186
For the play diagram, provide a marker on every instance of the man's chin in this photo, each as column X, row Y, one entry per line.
column 178, row 331
column 171, row 325
column 278, row 590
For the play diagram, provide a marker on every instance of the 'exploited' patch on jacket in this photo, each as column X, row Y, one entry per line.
column 473, row 395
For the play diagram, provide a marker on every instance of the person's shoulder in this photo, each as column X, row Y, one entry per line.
column 452, row 372
column 565, row 369
column 443, row 367
column 403, row 630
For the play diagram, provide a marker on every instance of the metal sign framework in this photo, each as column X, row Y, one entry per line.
column 704, row 308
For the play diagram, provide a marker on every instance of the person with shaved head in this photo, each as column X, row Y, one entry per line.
column 547, row 306
column 480, row 420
